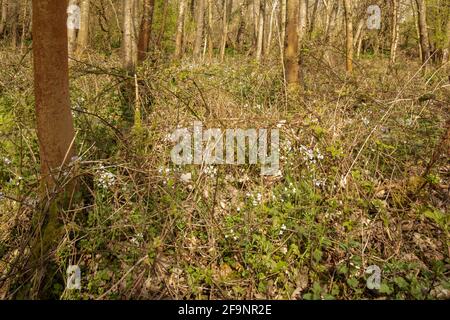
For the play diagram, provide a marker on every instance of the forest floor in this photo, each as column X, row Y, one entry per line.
column 364, row 181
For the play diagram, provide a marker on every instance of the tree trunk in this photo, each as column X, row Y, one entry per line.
column 51, row 84
column 72, row 26
column 4, row 16
column 283, row 21
column 260, row 37
column 129, row 38
column 291, row 45
column 303, row 19
column 210, row 30
column 224, row 30
column 313, row 17
column 348, row 35
column 423, row 31
column 445, row 51
column 395, row 30
column 83, row 34
column 163, row 24
column 14, row 8
column 180, row 29
column 200, row 18
column 145, row 29
column 271, row 21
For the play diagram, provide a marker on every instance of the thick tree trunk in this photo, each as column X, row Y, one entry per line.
column 291, row 51
column 51, row 84
column 129, row 37
column 83, row 34
column 395, row 30
column 423, row 31
column 145, row 29
column 180, row 29
column 260, row 36
column 348, row 35
column 200, row 18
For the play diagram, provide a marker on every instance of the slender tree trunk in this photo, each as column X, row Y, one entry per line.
column 83, row 34
column 24, row 27
column 445, row 51
column 72, row 27
column 224, row 30
column 359, row 30
column 260, row 37
column 145, row 29
column 129, row 38
column 210, row 30
column 283, row 21
column 359, row 45
column 291, row 52
column 329, row 11
column 200, row 18
column 4, row 16
column 303, row 19
column 180, row 29
column 15, row 9
column 312, row 23
column 271, row 21
column 416, row 25
column 423, row 31
column 348, row 35
column 163, row 25
column 395, row 30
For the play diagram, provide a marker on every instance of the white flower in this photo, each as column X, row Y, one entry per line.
column 7, row 161
column 365, row 121
column 284, row 250
column 105, row 178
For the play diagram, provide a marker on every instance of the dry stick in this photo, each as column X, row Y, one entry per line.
column 381, row 121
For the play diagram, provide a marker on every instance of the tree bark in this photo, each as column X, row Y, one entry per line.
column 72, row 28
column 303, row 19
column 145, row 29
column 180, row 29
column 348, row 35
column 224, row 30
column 210, row 30
column 83, row 33
column 395, row 30
column 200, row 18
column 51, row 85
column 423, row 31
column 129, row 38
column 260, row 37
column 291, row 51
column 4, row 16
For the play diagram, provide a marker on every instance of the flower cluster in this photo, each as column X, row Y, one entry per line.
column 105, row 178
column 311, row 155
column 256, row 199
